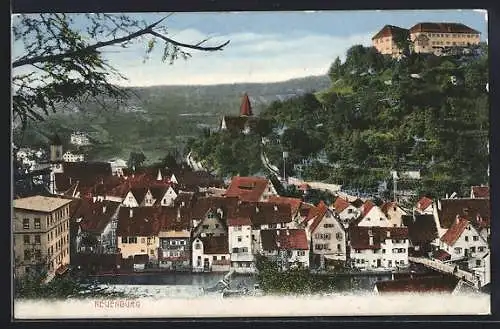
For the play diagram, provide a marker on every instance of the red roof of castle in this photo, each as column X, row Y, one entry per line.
column 246, row 107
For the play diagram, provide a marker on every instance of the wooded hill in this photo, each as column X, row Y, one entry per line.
column 379, row 114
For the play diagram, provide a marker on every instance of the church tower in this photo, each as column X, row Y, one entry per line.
column 55, row 160
column 246, row 107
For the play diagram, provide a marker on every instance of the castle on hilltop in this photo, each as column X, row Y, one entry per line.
column 429, row 38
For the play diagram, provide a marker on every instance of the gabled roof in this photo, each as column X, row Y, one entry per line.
column 441, row 255
column 202, row 205
column 442, row 28
column 158, row 193
column 466, row 208
column 246, row 107
column 284, row 239
column 367, row 206
column 95, row 216
column 455, row 231
column 247, row 188
column 360, row 236
column 480, row 191
column 424, row 203
column 422, row 229
column 139, row 193
column 215, row 245
column 388, row 31
column 265, row 213
column 293, row 202
column 321, row 210
column 143, row 222
column 387, row 206
column 340, row 204
column 239, row 221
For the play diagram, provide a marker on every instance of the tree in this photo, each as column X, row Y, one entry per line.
column 61, row 62
column 136, row 159
column 335, row 70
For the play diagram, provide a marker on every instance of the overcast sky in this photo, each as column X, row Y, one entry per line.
column 266, row 46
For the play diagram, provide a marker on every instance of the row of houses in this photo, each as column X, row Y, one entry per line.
column 178, row 219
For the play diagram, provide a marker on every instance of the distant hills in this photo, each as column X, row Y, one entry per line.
column 160, row 118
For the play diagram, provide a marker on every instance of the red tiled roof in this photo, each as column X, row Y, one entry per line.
column 247, row 188
column 321, row 211
column 340, row 204
column 293, row 202
column 239, row 221
column 215, row 245
column 357, row 203
column 442, row 28
column 481, row 191
column 388, row 31
column 87, row 173
column 455, row 231
column 143, row 222
column 424, row 203
column 95, row 215
column 423, row 230
column 284, row 239
column 367, row 206
column 441, row 255
column 359, row 236
column 466, row 208
column 246, row 107
column 388, row 205
column 430, row 284
column 265, row 213
column 202, row 205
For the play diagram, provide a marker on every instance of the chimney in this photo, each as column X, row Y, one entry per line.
column 370, row 239
column 131, row 212
column 104, row 209
column 158, row 177
column 275, row 208
column 457, row 219
column 388, row 233
column 287, row 232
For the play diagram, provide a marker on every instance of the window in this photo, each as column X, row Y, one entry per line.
column 272, row 225
column 349, row 211
column 37, row 223
column 237, row 228
column 214, row 257
column 339, row 247
column 197, row 246
column 239, row 238
column 472, row 249
column 458, row 250
column 205, row 227
column 328, row 225
column 475, row 238
column 401, row 262
column 38, row 254
column 480, row 249
column 478, row 262
column 383, row 251
column 143, row 240
column 381, row 218
column 132, row 239
column 124, row 239
column 47, row 221
column 223, row 257
column 27, row 239
column 26, row 223
column 338, row 235
column 301, row 253
column 142, row 250
column 38, row 240
column 244, row 249
column 27, row 255
column 152, row 252
column 216, row 225
column 466, row 238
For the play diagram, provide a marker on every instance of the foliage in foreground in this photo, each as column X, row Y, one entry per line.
column 33, row 287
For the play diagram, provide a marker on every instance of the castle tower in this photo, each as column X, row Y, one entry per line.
column 246, row 107
column 55, row 160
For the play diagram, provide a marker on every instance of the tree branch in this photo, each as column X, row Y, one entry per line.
column 146, row 30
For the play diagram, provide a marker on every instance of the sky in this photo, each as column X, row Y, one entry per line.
column 264, row 46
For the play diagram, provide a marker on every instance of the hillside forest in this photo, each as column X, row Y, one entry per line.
column 422, row 112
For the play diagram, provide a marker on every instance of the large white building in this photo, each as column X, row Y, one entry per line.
column 71, row 157
column 79, row 138
column 241, row 245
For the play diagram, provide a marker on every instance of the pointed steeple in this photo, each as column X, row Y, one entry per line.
column 159, row 177
column 246, row 107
